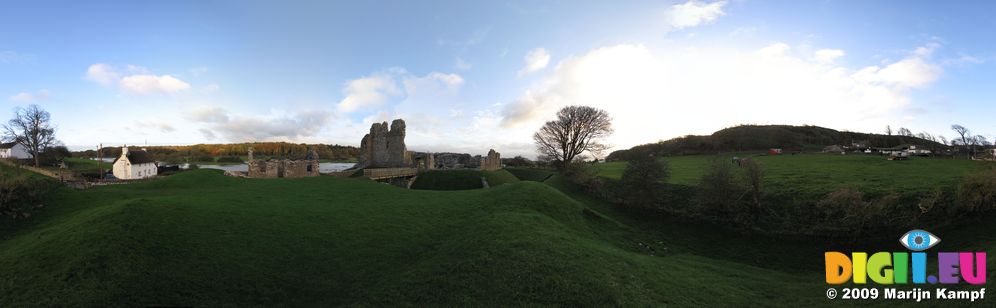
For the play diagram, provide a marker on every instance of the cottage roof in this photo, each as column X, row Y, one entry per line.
column 138, row 157
column 8, row 145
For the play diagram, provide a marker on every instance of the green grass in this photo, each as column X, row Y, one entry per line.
column 531, row 174
column 499, row 177
column 461, row 179
column 86, row 165
column 448, row 180
column 818, row 174
column 199, row 238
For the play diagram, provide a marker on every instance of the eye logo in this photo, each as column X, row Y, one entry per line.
column 918, row 240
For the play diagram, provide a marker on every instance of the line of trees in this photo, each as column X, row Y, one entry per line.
column 208, row 152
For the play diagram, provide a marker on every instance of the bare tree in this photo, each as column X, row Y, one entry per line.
column 32, row 129
column 905, row 132
column 943, row 140
column 888, row 130
column 576, row 130
column 964, row 133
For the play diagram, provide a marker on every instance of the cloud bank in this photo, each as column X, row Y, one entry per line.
column 659, row 94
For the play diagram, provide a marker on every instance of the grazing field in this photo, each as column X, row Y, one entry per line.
column 822, row 173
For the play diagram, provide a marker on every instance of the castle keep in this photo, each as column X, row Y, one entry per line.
column 384, row 147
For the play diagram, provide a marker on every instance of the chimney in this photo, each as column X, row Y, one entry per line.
column 124, row 150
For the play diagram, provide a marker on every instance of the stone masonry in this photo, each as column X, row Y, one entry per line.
column 284, row 168
column 384, row 147
column 492, row 161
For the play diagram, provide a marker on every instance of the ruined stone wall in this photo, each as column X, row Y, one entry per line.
column 385, row 147
column 285, row 168
column 492, row 161
column 300, row 168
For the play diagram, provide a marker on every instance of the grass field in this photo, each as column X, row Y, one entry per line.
column 817, row 174
column 536, row 175
column 461, row 179
column 202, row 239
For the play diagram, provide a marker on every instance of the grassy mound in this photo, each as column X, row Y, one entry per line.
column 202, row 239
column 531, row 174
column 199, row 238
column 499, row 177
column 448, row 180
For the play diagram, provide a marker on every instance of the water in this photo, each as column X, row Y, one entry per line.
column 322, row 168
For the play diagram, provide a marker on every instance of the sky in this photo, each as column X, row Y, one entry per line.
column 468, row 76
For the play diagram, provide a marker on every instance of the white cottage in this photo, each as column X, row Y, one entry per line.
column 14, row 150
column 134, row 165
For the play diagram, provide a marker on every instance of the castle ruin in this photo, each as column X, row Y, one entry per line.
column 492, row 161
column 385, row 147
column 284, row 168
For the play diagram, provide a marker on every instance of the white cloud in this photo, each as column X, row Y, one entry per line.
column 655, row 94
column 145, row 84
column 535, row 60
column 161, row 126
column 774, row 50
column 370, row 91
column 139, row 80
column 246, row 128
column 102, row 73
column 395, row 84
column 693, row 13
column 828, row 55
column 30, row 97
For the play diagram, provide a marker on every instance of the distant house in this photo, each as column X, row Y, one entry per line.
column 134, row 165
column 14, row 150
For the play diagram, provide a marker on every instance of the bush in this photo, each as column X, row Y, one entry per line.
column 718, row 192
column 53, row 155
column 20, row 195
column 641, row 182
column 977, row 192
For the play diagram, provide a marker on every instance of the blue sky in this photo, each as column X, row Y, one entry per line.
column 468, row 76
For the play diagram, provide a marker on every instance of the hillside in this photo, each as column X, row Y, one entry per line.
column 746, row 138
column 202, row 239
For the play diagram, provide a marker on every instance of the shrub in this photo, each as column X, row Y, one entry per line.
column 21, row 194
column 641, row 182
column 718, row 191
column 753, row 176
column 977, row 192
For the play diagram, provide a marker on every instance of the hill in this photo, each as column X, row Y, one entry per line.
column 202, row 239
column 747, row 138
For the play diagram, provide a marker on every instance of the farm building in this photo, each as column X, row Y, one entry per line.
column 132, row 165
column 14, row 150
